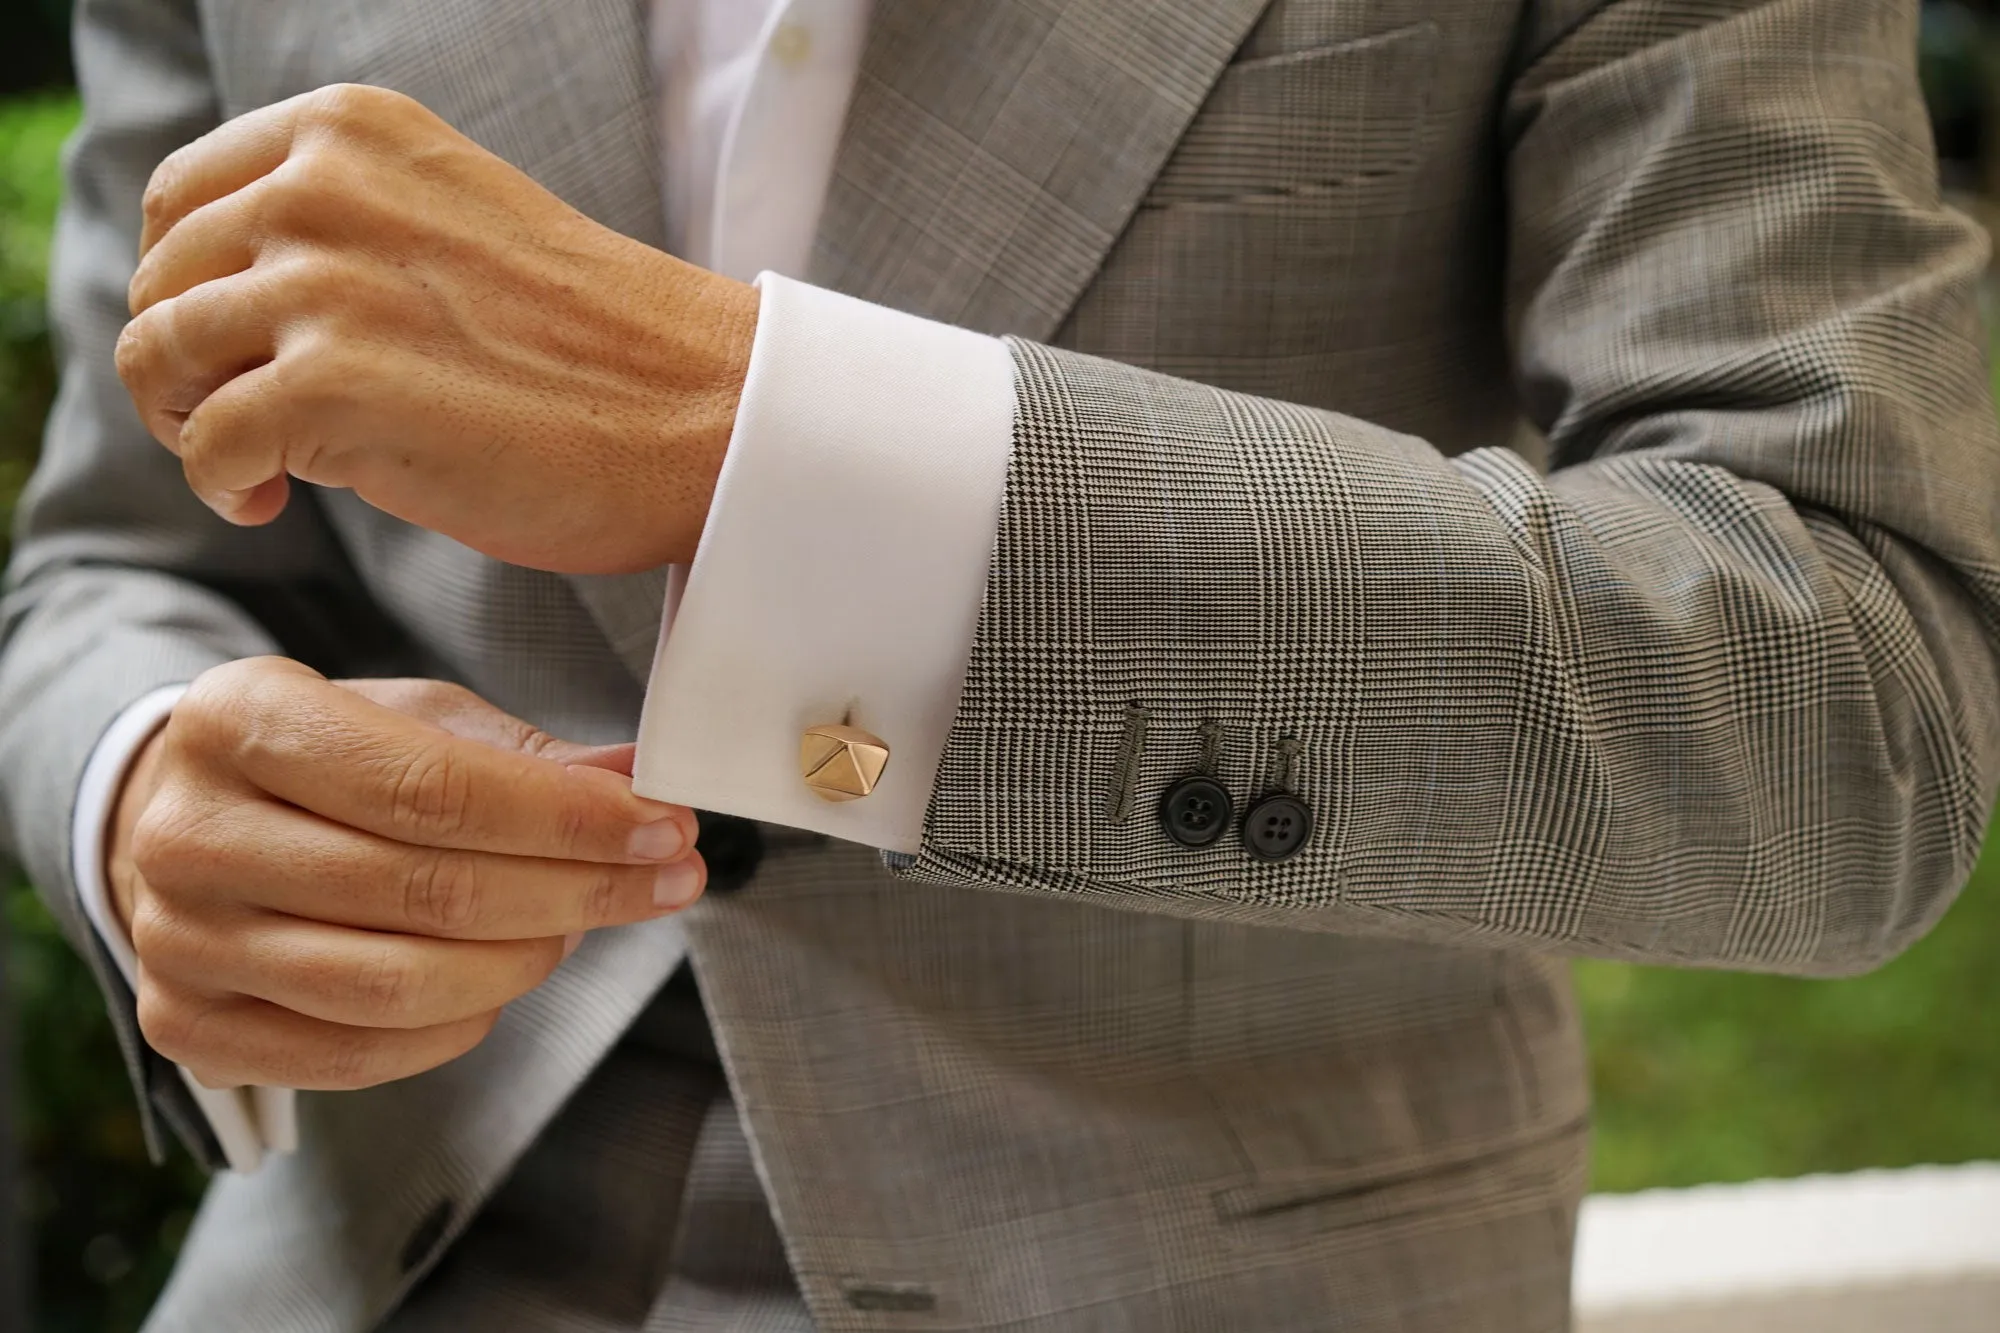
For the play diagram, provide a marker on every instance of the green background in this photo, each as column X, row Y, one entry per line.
column 1698, row 1076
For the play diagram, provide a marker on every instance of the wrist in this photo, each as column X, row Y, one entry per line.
column 724, row 326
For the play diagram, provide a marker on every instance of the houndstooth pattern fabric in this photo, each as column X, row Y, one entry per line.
column 1717, row 686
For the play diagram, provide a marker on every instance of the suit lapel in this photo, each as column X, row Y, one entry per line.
column 994, row 153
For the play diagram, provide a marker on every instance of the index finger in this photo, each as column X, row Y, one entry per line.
column 228, row 158
column 257, row 143
column 315, row 745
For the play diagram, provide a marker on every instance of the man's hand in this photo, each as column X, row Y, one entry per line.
column 344, row 289
column 337, row 885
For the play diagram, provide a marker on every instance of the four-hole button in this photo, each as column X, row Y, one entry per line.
column 1195, row 811
column 1277, row 828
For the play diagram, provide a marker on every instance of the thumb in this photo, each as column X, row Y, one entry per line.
column 455, row 709
column 611, row 758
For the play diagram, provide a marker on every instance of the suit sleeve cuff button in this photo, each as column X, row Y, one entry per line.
column 1277, row 827
column 1195, row 811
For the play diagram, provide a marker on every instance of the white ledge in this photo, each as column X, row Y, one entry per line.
column 1912, row 1249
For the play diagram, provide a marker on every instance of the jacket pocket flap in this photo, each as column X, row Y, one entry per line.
column 1543, row 1164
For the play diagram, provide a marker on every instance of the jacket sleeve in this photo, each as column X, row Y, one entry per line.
column 1719, row 688
column 121, row 581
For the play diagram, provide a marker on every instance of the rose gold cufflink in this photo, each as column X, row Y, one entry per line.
column 841, row 763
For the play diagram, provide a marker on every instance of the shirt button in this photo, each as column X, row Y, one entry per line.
column 1195, row 811
column 791, row 44
column 1277, row 827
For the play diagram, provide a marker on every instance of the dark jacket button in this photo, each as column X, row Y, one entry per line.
column 1195, row 811
column 427, row 1237
column 1277, row 828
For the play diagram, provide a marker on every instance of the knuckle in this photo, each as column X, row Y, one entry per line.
column 139, row 291
column 308, row 381
column 156, row 843
column 575, row 820
column 158, row 936
column 314, row 292
column 227, row 701
column 443, row 895
column 431, row 793
column 162, row 193
column 353, row 108
column 312, row 356
column 602, row 894
column 133, row 356
column 204, row 447
column 151, row 932
column 171, row 1024
column 171, row 844
column 338, row 105
column 218, row 439
column 301, row 280
column 533, row 741
column 204, row 731
column 311, row 200
column 251, row 713
column 291, row 199
column 320, row 372
column 209, row 695
column 199, row 307
column 345, row 1063
column 388, row 986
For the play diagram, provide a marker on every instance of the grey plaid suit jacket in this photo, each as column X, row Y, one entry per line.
column 1711, row 680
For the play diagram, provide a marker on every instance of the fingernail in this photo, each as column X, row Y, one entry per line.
column 676, row 885
column 658, row 842
column 570, row 942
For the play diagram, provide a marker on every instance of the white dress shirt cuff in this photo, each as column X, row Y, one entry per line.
column 234, row 1114
column 841, row 569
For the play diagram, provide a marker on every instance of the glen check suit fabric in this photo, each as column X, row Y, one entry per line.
column 1718, row 687
column 1718, row 690
column 638, row 1208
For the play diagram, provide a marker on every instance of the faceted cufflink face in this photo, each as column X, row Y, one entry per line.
column 841, row 763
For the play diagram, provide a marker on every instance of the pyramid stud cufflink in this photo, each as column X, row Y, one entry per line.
column 841, row 763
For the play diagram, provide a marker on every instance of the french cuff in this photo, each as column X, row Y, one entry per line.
column 232, row 1113
column 840, row 573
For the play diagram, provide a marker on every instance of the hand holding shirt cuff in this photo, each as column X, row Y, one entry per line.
column 840, row 573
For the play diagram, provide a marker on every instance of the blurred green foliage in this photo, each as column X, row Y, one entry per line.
column 1706, row 1076
column 31, row 133
column 1698, row 1076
